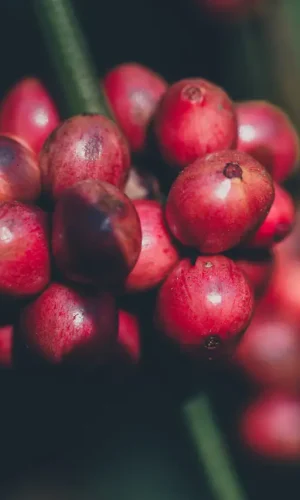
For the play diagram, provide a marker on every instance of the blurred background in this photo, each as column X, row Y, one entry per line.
column 71, row 437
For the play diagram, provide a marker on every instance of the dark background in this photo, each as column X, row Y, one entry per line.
column 65, row 436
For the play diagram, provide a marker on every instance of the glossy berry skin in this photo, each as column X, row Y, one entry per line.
column 24, row 250
column 205, row 306
column 29, row 112
column 279, row 222
column 67, row 325
column 6, row 346
column 133, row 92
column 269, row 351
column 271, row 426
column 258, row 267
column 96, row 235
column 267, row 134
column 128, row 349
column 20, row 177
column 158, row 252
column 194, row 118
column 84, row 147
column 217, row 201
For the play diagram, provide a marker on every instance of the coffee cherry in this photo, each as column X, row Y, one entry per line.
column 269, row 351
column 29, row 112
column 24, row 250
column 128, row 348
column 279, row 222
column 96, row 234
column 20, row 177
column 195, row 117
column 217, row 201
column 258, row 266
column 84, row 147
column 158, row 253
column 271, row 426
column 266, row 132
column 205, row 306
column 68, row 325
column 134, row 92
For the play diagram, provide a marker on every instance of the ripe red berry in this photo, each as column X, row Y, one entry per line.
column 128, row 349
column 218, row 200
column 134, row 92
column 67, row 325
column 258, row 266
column 195, row 117
column 84, row 147
column 266, row 132
column 205, row 306
column 20, row 177
column 279, row 222
column 24, row 250
column 271, row 426
column 158, row 253
column 6, row 346
column 29, row 112
column 96, row 234
column 269, row 351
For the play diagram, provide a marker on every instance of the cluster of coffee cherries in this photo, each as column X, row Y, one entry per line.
column 80, row 227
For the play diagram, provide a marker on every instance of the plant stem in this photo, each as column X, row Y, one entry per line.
column 69, row 52
column 211, row 449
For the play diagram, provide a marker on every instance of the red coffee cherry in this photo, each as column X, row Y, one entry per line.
column 204, row 306
column 194, row 118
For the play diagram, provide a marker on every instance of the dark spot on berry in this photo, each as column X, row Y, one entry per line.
column 192, row 94
column 212, row 342
column 7, row 156
column 233, row 170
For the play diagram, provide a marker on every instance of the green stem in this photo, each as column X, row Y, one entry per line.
column 211, row 449
column 69, row 52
